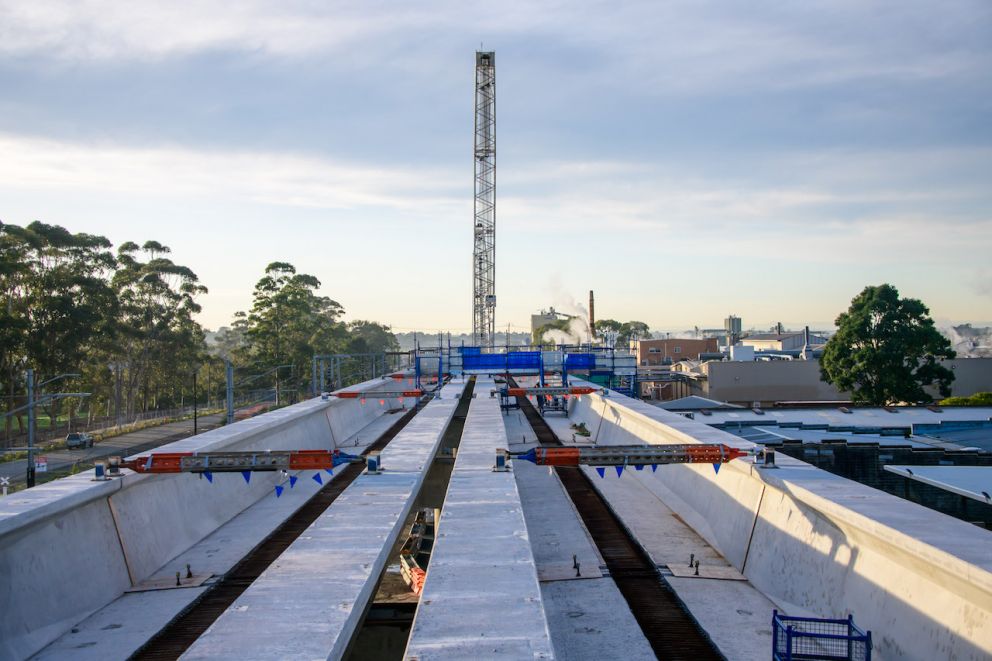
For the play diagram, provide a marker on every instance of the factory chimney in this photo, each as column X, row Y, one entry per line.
column 592, row 318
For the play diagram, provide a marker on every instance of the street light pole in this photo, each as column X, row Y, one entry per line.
column 229, row 372
column 30, row 473
column 194, row 404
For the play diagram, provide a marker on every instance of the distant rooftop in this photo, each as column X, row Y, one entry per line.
column 694, row 403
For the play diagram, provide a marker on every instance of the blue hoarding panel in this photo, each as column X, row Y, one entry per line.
column 484, row 361
column 580, row 361
column 523, row 360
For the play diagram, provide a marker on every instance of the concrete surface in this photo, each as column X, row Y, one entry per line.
column 310, row 601
column 735, row 615
column 481, row 600
column 587, row 616
column 127, row 623
column 819, row 544
column 101, row 538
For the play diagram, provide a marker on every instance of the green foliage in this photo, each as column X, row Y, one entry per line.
column 69, row 304
column 626, row 331
column 978, row 399
column 887, row 350
column 289, row 323
column 159, row 344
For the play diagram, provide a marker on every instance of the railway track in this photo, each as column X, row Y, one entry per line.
column 176, row 638
column 669, row 628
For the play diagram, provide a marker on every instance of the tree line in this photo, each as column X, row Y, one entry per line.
column 124, row 320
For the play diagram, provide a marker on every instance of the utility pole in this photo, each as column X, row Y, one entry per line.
column 229, row 371
column 194, row 405
column 30, row 473
column 484, row 225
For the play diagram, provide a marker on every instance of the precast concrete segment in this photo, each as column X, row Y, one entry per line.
column 817, row 543
column 100, row 538
column 481, row 598
column 123, row 626
column 309, row 602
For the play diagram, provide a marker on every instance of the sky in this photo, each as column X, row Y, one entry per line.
column 685, row 160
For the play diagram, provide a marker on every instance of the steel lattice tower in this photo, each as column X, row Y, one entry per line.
column 484, row 251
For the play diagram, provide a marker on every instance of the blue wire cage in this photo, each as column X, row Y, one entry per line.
column 815, row 639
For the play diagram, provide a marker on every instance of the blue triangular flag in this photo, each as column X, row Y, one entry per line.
column 601, row 470
column 209, row 476
column 316, row 478
column 639, row 467
column 619, row 470
column 292, row 481
column 716, row 467
column 654, row 468
column 329, row 471
column 278, row 490
column 246, row 475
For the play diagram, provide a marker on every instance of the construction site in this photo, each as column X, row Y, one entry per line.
column 485, row 502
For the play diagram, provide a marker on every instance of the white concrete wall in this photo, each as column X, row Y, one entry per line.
column 69, row 547
column 818, row 544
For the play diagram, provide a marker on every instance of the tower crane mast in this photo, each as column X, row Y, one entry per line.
column 484, row 225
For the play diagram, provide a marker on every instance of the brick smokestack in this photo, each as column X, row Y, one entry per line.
column 592, row 316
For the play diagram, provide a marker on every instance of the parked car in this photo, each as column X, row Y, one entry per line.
column 78, row 440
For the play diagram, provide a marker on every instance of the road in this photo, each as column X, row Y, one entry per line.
column 123, row 445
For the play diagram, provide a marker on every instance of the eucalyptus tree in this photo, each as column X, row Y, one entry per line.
column 160, row 343
column 289, row 322
column 59, row 306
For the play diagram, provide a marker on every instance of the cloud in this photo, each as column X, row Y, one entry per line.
column 851, row 213
column 286, row 179
column 667, row 48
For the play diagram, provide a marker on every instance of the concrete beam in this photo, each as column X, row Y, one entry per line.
column 310, row 601
column 481, row 598
column 819, row 544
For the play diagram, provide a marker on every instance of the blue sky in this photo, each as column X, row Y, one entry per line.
column 686, row 160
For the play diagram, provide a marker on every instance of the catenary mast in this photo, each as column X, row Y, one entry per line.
column 484, row 249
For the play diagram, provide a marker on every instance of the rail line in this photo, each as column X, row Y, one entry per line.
column 178, row 635
column 669, row 628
